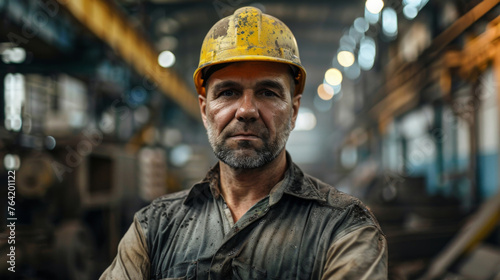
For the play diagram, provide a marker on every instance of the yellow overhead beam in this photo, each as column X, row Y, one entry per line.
column 478, row 53
column 403, row 88
column 112, row 26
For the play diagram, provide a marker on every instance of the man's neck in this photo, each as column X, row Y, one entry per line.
column 242, row 188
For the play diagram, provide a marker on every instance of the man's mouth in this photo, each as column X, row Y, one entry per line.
column 244, row 136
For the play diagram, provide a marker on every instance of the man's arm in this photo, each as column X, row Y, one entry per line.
column 132, row 260
column 361, row 254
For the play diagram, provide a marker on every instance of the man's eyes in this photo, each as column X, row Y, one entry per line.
column 227, row 93
column 269, row 93
column 232, row 93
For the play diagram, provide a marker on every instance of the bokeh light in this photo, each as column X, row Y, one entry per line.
column 374, row 6
column 333, row 76
column 361, row 25
column 325, row 92
column 410, row 12
column 14, row 55
column 166, row 59
column 345, row 58
column 389, row 22
column 353, row 71
column 306, row 120
column 367, row 53
column 347, row 42
column 50, row 142
column 371, row 17
column 11, row 162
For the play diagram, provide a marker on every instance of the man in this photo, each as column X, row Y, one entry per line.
column 256, row 215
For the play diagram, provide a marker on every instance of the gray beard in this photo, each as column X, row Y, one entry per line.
column 235, row 158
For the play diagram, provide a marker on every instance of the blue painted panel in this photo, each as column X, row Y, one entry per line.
column 488, row 174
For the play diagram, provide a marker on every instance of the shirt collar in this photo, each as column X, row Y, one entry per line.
column 294, row 183
column 207, row 187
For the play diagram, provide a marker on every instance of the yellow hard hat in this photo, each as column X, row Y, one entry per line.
column 249, row 35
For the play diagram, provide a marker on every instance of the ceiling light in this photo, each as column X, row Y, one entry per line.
column 333, row 76
column 325, row 92
column 306, row 120
column 345, row 58
column 374, row 6
column 410, row 12
column 361, row 25
column 371, row 18
column 389, row 22
column 11, row 162
column 166, row 59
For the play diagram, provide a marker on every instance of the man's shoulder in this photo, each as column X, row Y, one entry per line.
column 180, row 195
column 354, row 210
column 306, row 186
column 163, row 205
column 331, row 195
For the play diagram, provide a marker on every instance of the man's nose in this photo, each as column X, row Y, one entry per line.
column 247, row 110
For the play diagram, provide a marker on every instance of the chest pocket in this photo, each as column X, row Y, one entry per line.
column 181, row 271
column 244, row 271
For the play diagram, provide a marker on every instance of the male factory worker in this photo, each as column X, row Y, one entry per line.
column 256, row 215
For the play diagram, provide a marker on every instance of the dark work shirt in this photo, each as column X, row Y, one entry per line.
column 304, row 229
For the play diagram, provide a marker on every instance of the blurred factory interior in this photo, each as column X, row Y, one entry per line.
column 99, row 116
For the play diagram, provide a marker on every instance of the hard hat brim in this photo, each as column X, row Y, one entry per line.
column 300, row 78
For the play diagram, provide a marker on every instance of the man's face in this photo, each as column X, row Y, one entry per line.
column 249, row 112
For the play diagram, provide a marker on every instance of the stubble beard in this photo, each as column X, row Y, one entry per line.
column 245, row 156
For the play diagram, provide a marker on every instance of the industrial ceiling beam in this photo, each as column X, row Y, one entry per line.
column 402, row 89
column 112, row 26
column 478, row 53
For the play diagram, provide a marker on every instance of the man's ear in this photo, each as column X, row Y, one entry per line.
column 202, row 101
column 295, row 108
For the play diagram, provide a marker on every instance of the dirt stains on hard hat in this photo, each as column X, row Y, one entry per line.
column 243, row 21
column 221, row 29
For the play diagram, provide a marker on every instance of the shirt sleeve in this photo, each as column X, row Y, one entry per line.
column 361, row 254
column 132, row 260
